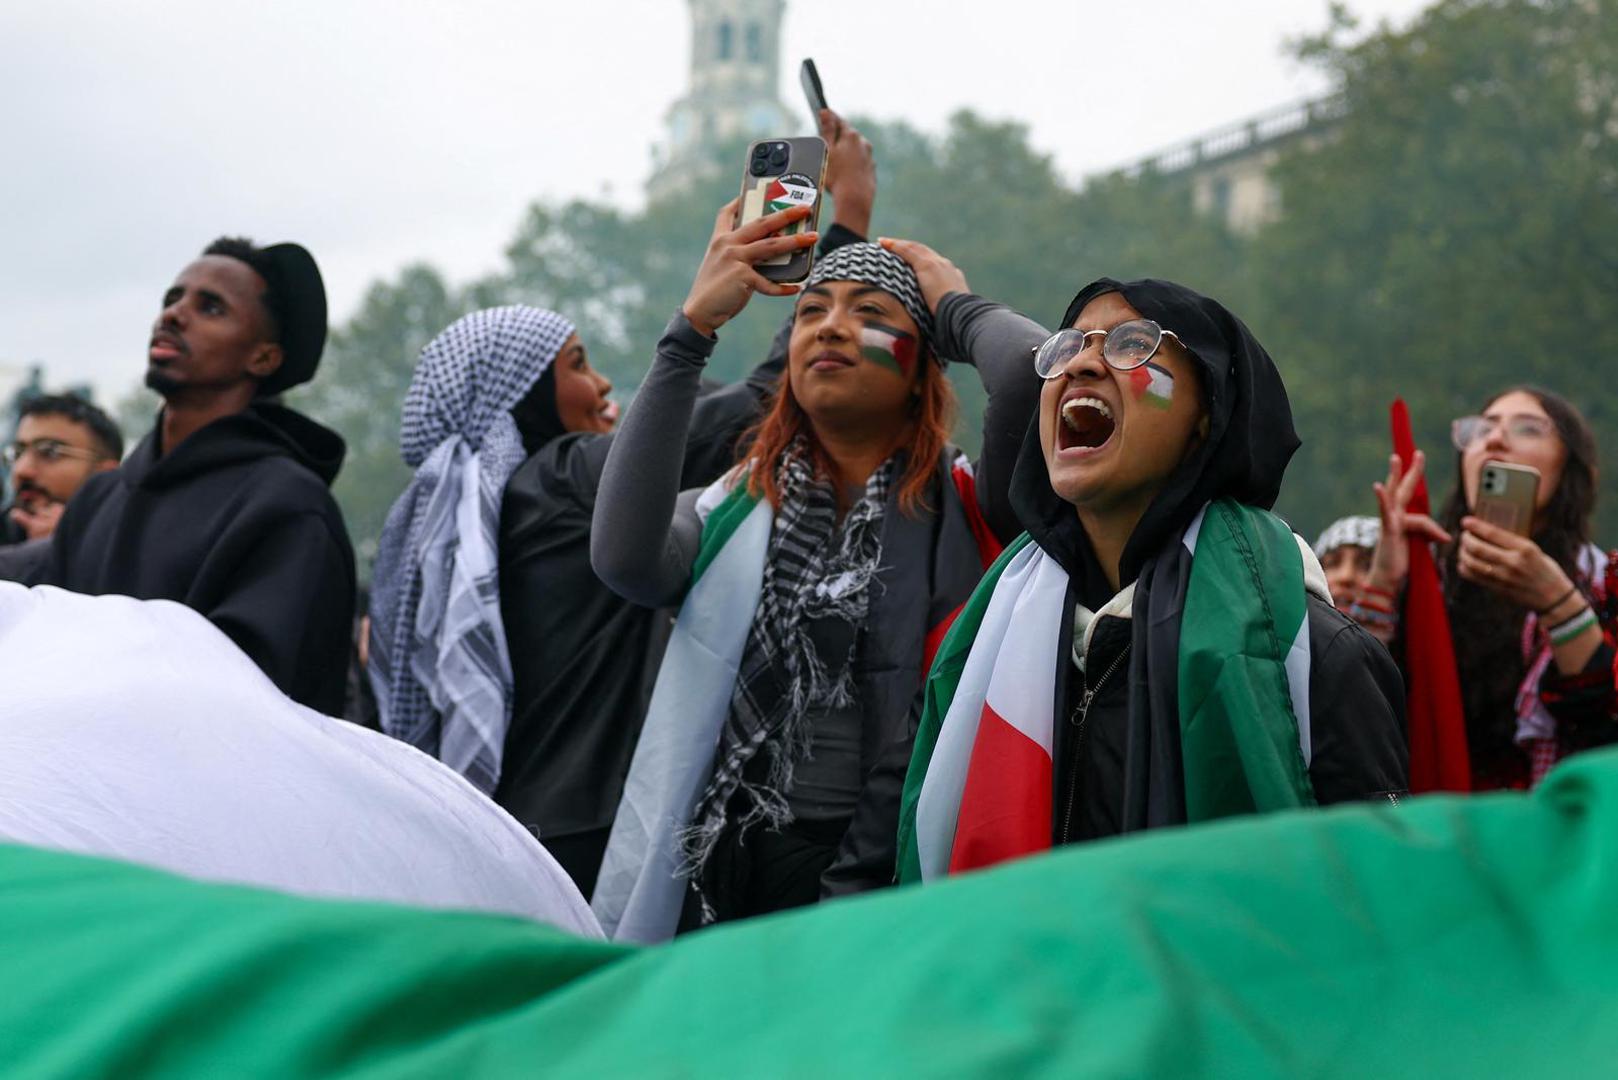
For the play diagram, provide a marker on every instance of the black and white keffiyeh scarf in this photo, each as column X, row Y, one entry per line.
column 873, row 264
column 816, row 588
column 438, row 659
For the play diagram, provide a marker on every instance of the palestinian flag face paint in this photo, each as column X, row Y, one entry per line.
column 890, row 347
column 1152, row 385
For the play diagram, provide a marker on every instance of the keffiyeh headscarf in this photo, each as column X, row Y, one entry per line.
column 1357, row 531
column 438, row 659
column 872, row 264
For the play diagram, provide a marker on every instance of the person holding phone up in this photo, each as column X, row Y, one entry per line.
column 1532, row 615
column 815, row 579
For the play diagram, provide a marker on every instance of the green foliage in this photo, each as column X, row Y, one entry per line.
column 1453, row 234
column 360, row 392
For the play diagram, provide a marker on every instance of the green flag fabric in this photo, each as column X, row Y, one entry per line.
column 1445, row 937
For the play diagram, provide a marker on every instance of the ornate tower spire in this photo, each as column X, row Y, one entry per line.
column 733, row 92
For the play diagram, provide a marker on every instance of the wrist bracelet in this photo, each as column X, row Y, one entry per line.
column 1375, row 605
column 1572, row 628
column 1560, row 600
column 1372, row 617
column 1387, row 594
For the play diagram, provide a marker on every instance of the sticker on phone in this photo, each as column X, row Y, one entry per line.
column 785, row 192
column 772, row 194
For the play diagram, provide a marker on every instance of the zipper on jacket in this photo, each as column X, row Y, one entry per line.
column 1078, row 719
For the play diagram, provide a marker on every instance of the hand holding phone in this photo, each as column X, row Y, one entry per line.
column 780, row 174
column 1507, row 496
column 729, row 275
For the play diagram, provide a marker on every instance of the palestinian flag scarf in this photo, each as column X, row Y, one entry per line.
column 1219, row 663
column 692, row 723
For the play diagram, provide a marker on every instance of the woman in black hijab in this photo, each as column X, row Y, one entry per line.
column 1199, row 667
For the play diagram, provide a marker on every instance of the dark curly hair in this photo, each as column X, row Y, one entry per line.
column 1486, row 628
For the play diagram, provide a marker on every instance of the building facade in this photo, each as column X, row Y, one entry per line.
column 1229, row 169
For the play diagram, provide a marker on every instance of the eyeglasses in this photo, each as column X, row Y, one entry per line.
column 1125, row 347
column 49, row 451
column 1470, row 430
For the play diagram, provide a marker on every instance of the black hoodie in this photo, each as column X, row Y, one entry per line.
column 238, row 523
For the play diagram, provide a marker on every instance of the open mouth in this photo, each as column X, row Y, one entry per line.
column 609, row 412
column 1087, row 424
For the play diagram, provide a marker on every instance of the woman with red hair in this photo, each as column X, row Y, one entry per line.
column 814, row 579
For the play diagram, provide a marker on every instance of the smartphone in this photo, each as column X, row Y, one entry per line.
column 1507, row 495
column 781, row 174
column 810, row 78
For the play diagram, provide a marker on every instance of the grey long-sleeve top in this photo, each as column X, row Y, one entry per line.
column 646, row 532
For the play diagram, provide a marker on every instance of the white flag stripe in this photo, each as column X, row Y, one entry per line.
column 939, row 804
column 1022, row 688
column 1298, row 686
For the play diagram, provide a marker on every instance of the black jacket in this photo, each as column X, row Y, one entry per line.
column 583, row 658
column 238, row 523
column 1356, row 711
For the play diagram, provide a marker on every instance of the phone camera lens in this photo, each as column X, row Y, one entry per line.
column 778, row 157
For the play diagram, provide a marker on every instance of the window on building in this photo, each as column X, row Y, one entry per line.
column 755, row 43
column 726, row 33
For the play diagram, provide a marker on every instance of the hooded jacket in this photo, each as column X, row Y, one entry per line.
column 1103, row 783
column 1101, row 787
column 238, row 523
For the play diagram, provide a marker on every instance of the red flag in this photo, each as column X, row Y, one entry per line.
column 1434, row 719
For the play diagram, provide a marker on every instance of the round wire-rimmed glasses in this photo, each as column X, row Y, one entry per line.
column 1124, row 348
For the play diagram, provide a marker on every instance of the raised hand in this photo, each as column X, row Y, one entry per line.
column 1390, row 564
column 850, row 172
column 728, row 276
column 38, row 519
column 1514, row 567
column 936, row 274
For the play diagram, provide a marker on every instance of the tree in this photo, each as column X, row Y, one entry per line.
column 360, row 392
column 1455, row 236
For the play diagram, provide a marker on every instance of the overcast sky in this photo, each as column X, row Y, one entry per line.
column 379, row 134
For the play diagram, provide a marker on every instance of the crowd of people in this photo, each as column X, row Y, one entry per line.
column 760, row 645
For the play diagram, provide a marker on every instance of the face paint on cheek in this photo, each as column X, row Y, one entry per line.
column 892, row 348
column 1152, row 385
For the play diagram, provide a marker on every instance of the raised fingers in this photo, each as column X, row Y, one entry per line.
column 1411, row 477
column 910, row 251
column 1422, row 525
column 771, row 246
column 769, row 223
column 761, row 284
column 727, row 217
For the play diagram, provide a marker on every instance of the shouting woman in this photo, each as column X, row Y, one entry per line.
column 1158, row 649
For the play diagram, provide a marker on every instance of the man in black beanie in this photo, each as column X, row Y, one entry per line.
column 226, row 505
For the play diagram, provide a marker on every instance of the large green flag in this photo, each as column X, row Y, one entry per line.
column 1448, row 936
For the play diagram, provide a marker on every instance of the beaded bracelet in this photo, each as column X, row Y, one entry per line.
column 1566, row 631
column 1374, row 605
column 1361, row 613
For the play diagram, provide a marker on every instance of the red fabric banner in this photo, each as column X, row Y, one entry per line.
column 1434, row 719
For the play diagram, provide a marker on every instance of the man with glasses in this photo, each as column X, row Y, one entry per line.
column 62, row 440
column 225, row 506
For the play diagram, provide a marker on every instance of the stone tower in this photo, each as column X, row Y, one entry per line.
column 734, row 90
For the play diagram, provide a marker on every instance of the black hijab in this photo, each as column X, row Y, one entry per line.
column 1250, row 438
column 538, row 421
